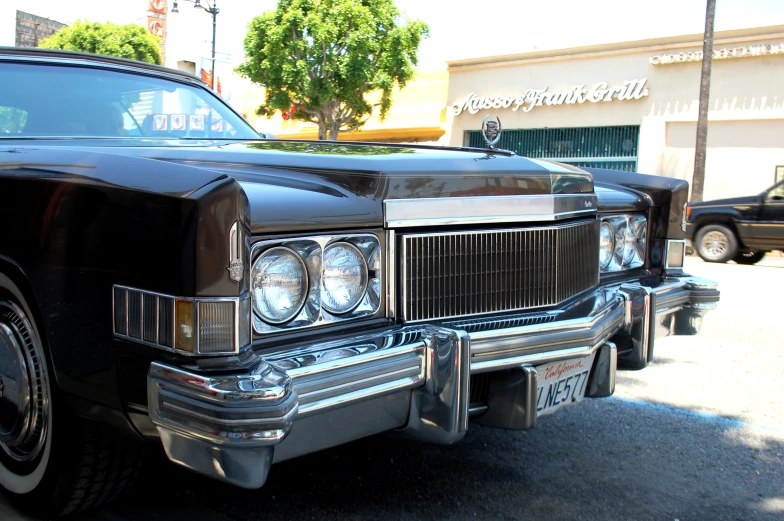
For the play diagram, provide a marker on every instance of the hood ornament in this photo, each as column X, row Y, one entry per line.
column 235, row 267
column 491, row 131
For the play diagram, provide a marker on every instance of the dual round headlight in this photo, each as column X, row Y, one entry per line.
column 622, row 242
column 281, row 284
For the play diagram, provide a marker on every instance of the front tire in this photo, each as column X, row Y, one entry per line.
column 52, row 462
column 716, row 243
column 749, row 257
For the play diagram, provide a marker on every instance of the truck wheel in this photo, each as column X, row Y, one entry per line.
column 749, row 257
column 716, row 243
column 52, row 462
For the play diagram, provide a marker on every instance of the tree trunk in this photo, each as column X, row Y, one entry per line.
column 322, row 130
column 334, row 129
column 698, row 178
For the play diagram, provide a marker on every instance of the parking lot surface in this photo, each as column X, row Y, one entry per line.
column 698, row 435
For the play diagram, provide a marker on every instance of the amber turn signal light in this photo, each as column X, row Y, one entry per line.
column 183, row 325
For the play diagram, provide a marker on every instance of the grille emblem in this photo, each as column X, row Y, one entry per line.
column 491, row 131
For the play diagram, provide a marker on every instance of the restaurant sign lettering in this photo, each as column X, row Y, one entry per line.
column 728, row 53
column 532, row 98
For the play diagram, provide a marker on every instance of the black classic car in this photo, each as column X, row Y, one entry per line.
column 169, row 277
column 742, row 229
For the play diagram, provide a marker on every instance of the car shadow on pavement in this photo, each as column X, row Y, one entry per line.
column 606, row 459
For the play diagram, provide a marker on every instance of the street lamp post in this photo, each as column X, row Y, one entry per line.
column 213, row 10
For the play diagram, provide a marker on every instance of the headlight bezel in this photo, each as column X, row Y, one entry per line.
column 311, row 249
column 630, row 242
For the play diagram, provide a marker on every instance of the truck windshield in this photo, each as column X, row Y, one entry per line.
column 60, row 101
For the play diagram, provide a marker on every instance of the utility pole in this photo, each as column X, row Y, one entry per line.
column 214, row 12
column 698, row 178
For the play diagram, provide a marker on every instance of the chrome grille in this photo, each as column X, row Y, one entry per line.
column 457, row 274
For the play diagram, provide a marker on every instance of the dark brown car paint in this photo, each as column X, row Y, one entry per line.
column 82, row 215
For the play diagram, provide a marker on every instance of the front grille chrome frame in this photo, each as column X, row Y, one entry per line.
column 562, row 259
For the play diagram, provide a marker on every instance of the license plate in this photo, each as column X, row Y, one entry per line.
column 562, row 383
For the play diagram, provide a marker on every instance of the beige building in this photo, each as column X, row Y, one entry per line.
column 633, row 106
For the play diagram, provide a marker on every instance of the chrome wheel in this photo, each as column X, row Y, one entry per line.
column 714, row 245
column 24, row 391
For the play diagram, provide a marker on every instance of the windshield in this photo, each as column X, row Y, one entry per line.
column 67, row 102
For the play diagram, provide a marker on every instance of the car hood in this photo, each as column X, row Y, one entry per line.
column 729, row 201
column 311, row 186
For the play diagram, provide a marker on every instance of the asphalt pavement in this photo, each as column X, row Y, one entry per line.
column 698, row 435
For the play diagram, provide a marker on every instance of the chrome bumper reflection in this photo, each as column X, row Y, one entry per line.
column 414, row 380
column 681, row 303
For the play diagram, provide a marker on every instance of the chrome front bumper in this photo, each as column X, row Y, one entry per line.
column 414, row 380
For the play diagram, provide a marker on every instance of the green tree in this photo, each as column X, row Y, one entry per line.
column 323, row 57
column 124, row 41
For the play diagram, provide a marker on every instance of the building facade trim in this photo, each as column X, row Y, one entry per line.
column 613, row 49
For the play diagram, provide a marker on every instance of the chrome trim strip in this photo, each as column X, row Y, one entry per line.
column 574, row 324
column 476, row 410
column 540, row 343
column 226, row 400
column 341, row 363
column 335, row 402
column 535, row 358
column 363, row 376
column 676, row 292
column 552, row 161
column 700, row 207
column 703, row 306
column 404, row 286
column 444, row 211
column 391, row 283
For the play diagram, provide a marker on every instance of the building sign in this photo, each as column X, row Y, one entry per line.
column 532, row 98
column 728, row 53
column 156, row 22
column 157, row 6
column 156, row 26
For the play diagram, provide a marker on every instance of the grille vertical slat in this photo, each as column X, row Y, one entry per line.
column 459, row 274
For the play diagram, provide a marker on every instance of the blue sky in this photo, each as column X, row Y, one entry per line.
column 462, row 29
